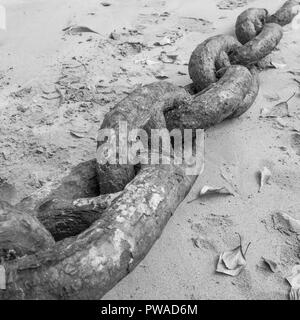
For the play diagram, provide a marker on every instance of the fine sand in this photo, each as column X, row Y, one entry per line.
column 56, row 87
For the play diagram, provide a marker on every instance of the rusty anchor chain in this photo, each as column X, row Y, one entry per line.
column 99, row 239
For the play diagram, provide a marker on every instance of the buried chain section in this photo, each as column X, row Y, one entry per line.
column 106, row 217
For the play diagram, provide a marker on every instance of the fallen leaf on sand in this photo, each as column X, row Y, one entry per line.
column 167, row 58
column 265, row 176
column 294, row 281
column 163, row 42
column 292, row 223
column 206, row 190
column 2, row 278
column 295, row 73
column 232, row 262
column 281, row 109
column 160, row 76
column 278, row 65
column 77, row 134
column 295, row 143
column 78, row 29
column 271, row 264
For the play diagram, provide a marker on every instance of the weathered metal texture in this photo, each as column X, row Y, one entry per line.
column 250, row 23
column 220, row 101
column 250, row 96
column 259, row 47
column 21, row 233
column 209, row 55
column 87, row 266
column 143, row 109
column 286, row 13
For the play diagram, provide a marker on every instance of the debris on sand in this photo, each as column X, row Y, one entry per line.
column 273, row 266
column 210, row 191
column 279, row 110
column 265, row 176
column 286, row 224
column 167, row 58
column 295, row 143
column 78, row 29
column 233, row 262
column 231, row 4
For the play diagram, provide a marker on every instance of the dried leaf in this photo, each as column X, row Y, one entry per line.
column 77, row 134
column 292, row 223
column 167, row 58
column 2, row 278
column 278, row 65
column 232, row 262
column 271, row 264
column 78, row 29
column 163, row 42
column 295, row 143
column 265, row 176
column 280, row 110
column 207, row 190
column 295, row 73
column 160, row 76
column 195, row 243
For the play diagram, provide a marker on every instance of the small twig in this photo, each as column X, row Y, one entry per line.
column 291, row 97
column 247, row 249
column 298, row 81
column 51, row 98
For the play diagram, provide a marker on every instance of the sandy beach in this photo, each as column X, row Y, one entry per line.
column 56, row 86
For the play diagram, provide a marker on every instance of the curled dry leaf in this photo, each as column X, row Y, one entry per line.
column 271, row 264
column 207, row 190
column 265, row 176
column 78, row 29
column 277, row 65
column 165, row 41
column 2, row 278
column 292, row 223
column 295, row 73
column 160, row 75
column 167, row 58
column 279, row 110
column 232, row 262
column 294, row 280
column 77, row 134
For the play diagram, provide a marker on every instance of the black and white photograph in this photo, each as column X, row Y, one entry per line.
column 149, row 151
